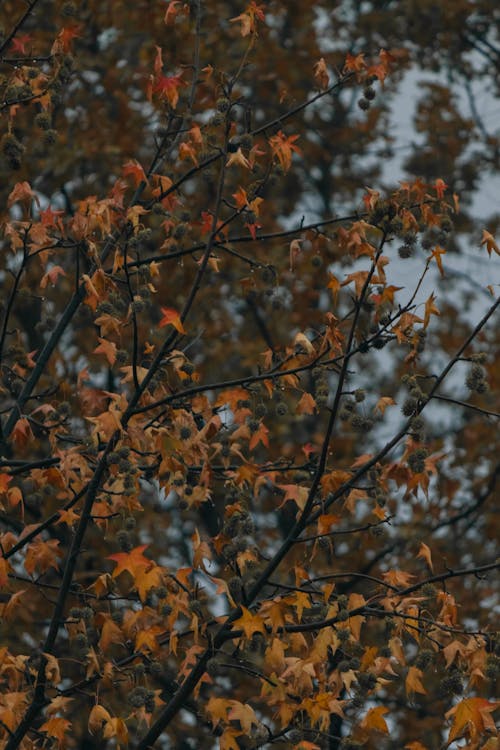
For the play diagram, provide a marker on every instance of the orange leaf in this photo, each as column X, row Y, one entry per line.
column 42, row 555
column 430, row 309
column 436, row 254
column 425, row 553
column 22, row 192
column 63, row 41
column 108, row 348
column 243, row 713
column 440, row 186
column 374, row 719
column 4, row 570
column 259, row 436
column 471, row 716
column 334, row 284
column 383, row 403
column 413, row 682
column 296, row 493
column 171, row 12
column 168, row 88
column 249, row 623
column 132, row 561
column 321, row 73
column 239, row 159
column 490, row 243
column 354, row 63
column 171, row 317
column 56, row 727
column 134, row 169
column 4, row 482
column 306, row 405
column 283, row 147
column 249, row 18
column 52, row 275
column 110, row 633
column 98, row 718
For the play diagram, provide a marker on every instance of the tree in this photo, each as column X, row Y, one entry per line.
column 248, row 460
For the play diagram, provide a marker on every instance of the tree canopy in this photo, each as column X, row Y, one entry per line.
column 249, row 363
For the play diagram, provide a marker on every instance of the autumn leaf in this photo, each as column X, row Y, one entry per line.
column 436, row 255
column 249, row 623
column 440, row 187
column 57, row 727
column 354, row 63
column 171, row 317
column 167, row 87
column 42, row 555
column 108, row 348
column 259, row 436
column 335, row 285
column 18, row 44
column 244, row 714
column 132, row 562
column 306, row 405
column 64, row 40
column 135, row 170
column 283, row 147
column 52, row 275
column 425, row 553
column 374, row 719
column 98, row 718
column 23, row 193
column 296, row 493
column 430, row 309
column 472, row 717
column 489, row 241
column 5, row 480
column 321, row 73
column 239, row 159
column 413, row 681
column 249, row 18
column 110, row 633
column 383, row 403
column 4, row 572
column 171, row 12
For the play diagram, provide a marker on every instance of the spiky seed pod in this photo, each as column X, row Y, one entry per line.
column 409, row 406
column 405, row 251
column 123, row 540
